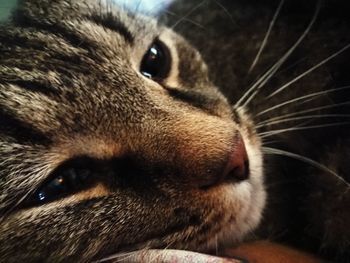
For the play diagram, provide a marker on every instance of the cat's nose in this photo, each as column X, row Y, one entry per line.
column 237, row 167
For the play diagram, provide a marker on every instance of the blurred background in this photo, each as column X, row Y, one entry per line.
column 150, row 7
column 6, row 7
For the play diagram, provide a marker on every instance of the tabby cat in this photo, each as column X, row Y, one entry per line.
column 116, row 136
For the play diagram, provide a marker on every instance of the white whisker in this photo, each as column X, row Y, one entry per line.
column 185, row 19
column 188, row 14
column 316, row 94
column 292, row 65
column 309, row 71
column 269, row 150
column 226, row 11
column 269, row 122
column 274, row 132
column 267, row 35
column 268, row 75
column 164, row 250
column 311, row 110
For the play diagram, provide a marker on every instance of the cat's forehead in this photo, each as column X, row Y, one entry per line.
column 96, row 50
column 131, row 23
column 110, row 15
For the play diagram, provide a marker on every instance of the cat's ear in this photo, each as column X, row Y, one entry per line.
column 6, row 7
column 148, row 7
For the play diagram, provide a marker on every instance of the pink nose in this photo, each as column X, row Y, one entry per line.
column 238, row 164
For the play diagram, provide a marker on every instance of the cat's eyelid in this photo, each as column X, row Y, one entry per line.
column 95, row 191
column 168, row 38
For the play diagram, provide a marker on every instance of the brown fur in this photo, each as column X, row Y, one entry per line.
column 71, row 91
column 70, row 77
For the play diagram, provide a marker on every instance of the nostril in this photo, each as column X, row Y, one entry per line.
column 238, row 164
column 239, row 173
column 236, row 168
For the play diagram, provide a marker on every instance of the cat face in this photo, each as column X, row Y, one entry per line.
column 113, row 139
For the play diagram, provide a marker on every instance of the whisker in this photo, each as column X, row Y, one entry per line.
column 185, row 19
column 120, row 257
column 269, row 150
column 164, row 250
column 226, row 11
column 270, row 73
column 269, row 122
column 316, row 94
column 274, row 132
column 311, row 110
column 267, row 35
column 264, row 142
column 188, row 14
column 155, row 257
column 308, row 71
column 255, row 86
column 292, row 65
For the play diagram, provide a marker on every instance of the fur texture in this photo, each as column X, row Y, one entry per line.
column 71, row 88
column 71, row 91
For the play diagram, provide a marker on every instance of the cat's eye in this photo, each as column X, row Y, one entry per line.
column 156, row 62
column 66, row 183
column 66, row 180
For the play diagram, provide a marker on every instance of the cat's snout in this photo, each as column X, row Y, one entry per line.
column 236, row 166
column 238, row 163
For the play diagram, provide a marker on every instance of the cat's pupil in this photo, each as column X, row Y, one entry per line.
column 66, row 183
column 156, row 62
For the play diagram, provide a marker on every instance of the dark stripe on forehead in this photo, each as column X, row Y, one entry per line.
column 33, row 86
column 20, row 131
column 60, row 30
column 113, row 23
column 203, row 100
column 63, row 29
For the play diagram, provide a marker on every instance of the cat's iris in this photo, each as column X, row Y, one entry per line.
column 67, row 182
column 156, row 62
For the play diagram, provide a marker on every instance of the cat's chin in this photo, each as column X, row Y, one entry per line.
column 245, row 221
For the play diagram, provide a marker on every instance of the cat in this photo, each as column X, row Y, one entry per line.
column 118, row 134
